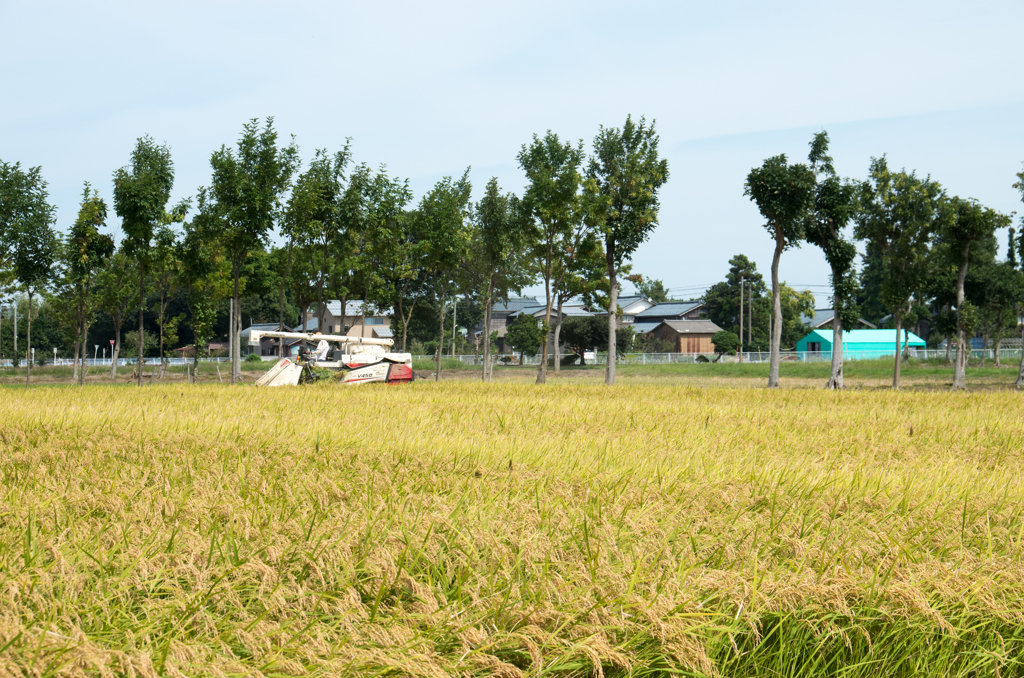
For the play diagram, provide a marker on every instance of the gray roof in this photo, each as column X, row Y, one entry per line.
column 260, row 327
column 823, row 318
column 643, row 328
column 353, row 308
column 310, row 325
column 692, row 326
column 539, row 311
column 820, row 317
column 383, row 332
column 515, row 304
column 669, row 309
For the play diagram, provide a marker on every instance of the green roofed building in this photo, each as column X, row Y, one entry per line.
column 859, row 344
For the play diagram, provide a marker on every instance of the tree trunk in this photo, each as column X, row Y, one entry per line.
column 440, row 345
column 613, row 307
column 488, row 304
column 235, row 332
column 1020, row 372
column 280, row 306
column 1000, row 320
column 85, row 352
column 142, row 301
column 74, row 360
column 896, row 372
column 28, row 340
column 163, row 309
column 776, row 338
column 558, row 332
column 984, row 341
column 835, row 380
column 542, row 373
column 960, row 368
column 115, row 351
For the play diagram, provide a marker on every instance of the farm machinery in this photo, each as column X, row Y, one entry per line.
column 354, row 360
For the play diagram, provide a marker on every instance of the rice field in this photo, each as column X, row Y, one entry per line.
column 460, row 529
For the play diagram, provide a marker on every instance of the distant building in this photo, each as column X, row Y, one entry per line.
column 651, row 317
column 860, row 344
column 822, row 320
column 361, row 320
column 268, row 345
column 687, row 336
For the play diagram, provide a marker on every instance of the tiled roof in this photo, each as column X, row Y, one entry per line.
column 669, row 309
column 515, row 304
column 643, row 328
column 692, row 326
column 383, row 332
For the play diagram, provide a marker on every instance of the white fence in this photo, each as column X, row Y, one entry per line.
column 1005, row 354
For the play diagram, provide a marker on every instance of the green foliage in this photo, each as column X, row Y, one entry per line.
column 130, row 345
column 835, row 202
column 725, row 342
column 722, row 302
column 784, row 194
column 584, row 333
column 253, row 358
column 623, row 179
column 898, row 216
column 650, row 288
column 525, row 335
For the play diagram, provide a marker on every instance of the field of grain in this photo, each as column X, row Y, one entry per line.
column 464, row 529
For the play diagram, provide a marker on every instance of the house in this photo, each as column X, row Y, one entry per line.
column 359, row 320
column 672, row 310
column 574, row 310
column 822, row 320
column 687, row 336
column 268, row 345
column 631, row 307
column 860, row 344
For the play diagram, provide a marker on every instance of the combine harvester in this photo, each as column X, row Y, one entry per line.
column 357, row 360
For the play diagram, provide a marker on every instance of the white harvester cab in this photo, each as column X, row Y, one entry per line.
column 357, row 360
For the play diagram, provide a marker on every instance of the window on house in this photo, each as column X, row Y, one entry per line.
column 374, row 321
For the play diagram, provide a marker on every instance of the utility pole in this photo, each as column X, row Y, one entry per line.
column 750, row 317
column 741, row 319
column 15, row 354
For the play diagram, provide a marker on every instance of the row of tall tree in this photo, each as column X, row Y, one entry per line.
column 329, row 229
column 928, row 254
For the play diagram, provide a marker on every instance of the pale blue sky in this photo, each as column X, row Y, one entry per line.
column 429, row 88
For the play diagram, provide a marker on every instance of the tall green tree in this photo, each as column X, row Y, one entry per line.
column 204, row 273
column 86, row 252
column 497, row 262
column 898, row 216
column 165, row 269
column 115, row 289
column 558, row 229
column 525, row 335
column 784, row 194
column 443, row 218
column 324, row 220
column 722, row 303
column 969, row 223
column 1019, row 185
column 141, row 192
column 624, row 176
column 247, row 186
column 27, row 238
column 834, row 207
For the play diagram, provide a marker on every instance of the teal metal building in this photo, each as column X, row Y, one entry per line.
column 859, row 344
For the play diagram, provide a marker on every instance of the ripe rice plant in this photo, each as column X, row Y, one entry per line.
column 465, row 529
